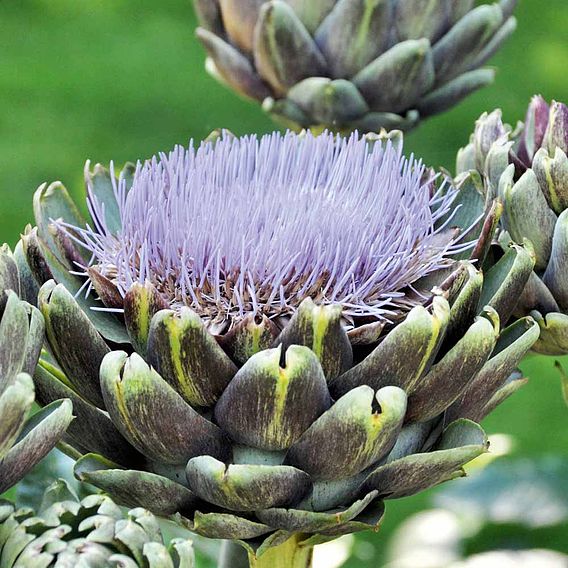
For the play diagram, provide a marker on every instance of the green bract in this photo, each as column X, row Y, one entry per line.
column 93, row 532
column 275, row 429
column 353, row 64
column 527, row 169
column 23, row 441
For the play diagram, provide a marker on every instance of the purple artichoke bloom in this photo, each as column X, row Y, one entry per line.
column 281, row 334
column 257, row 225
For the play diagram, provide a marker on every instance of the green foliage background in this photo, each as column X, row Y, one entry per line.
column 123, row 79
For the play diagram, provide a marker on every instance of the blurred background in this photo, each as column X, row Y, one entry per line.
column 123, row 79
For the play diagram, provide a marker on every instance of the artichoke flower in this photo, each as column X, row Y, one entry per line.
column 264, row 339
column 94, row 531
column 23, row 441
column 528, row 169
column 353, row 64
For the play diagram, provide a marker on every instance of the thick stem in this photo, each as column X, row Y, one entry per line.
column 287, row 555
column 232, row 556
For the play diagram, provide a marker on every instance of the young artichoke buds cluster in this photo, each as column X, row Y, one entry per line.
column 528, row 169
column 94, row 531
column 353, row 64
column 209, row 391
column 23, row 441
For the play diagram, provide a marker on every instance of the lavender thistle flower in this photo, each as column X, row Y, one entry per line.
column 256, row 226
column 280, row 336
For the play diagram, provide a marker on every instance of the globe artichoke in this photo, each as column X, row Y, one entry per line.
column 93, row 532
column 353, row 64
column 23, row 441
column 265, row 339
column 528, row 169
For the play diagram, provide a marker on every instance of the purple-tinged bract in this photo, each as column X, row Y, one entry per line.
column 257, row 225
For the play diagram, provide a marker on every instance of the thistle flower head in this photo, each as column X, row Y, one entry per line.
column 257, row 225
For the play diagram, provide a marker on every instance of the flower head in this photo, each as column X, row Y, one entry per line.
column 299, row 425
column 257, row 225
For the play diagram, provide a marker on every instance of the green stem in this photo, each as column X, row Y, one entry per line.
column 232, row 555
column 287, row 555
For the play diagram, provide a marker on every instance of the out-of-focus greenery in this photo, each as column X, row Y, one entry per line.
column 123, row 79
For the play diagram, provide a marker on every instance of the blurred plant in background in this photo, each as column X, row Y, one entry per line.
column 351, row 64
column 91, row 532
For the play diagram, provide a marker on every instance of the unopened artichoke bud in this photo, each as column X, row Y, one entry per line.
column 351, row 64
column 528, row 168
column 291, row 344
column 94, row 531
column 24, row 440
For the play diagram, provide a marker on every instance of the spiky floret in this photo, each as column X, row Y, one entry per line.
column 256, row 225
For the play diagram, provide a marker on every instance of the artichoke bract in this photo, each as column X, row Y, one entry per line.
column 528, row 169
column 353, row 64
column 264, row 339
column 24, row 441
column 94, row 531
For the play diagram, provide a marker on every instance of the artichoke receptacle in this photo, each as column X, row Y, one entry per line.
column 265, row 339
column 353, row 64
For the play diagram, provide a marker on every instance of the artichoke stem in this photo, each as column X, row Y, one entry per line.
column 287, row 555
column 232, row 555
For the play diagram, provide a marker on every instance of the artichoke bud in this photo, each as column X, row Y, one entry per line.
column 293, row 343
column 136, row 397
column 530, row 168
column 269, row 406
column 352, row 64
